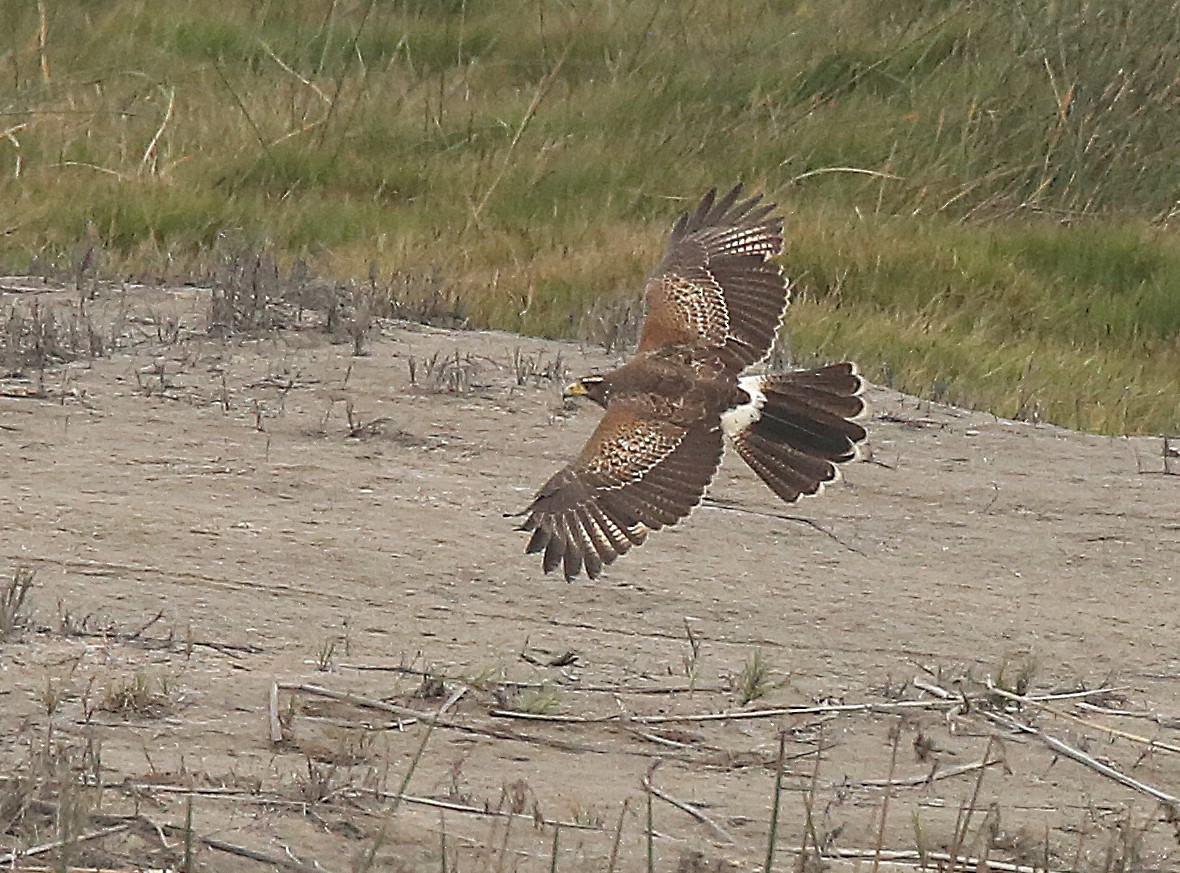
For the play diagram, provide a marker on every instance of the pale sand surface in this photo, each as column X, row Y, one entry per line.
column 216, row 529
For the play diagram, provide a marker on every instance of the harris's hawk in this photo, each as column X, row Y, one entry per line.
column 714, row 307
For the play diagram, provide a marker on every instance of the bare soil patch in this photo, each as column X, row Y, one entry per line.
column 262, row 568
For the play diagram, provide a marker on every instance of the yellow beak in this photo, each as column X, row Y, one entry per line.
column 576, row 389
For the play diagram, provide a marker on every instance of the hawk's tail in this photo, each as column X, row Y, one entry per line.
column 796, row 427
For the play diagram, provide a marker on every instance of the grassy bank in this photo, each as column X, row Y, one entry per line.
column 979, row 195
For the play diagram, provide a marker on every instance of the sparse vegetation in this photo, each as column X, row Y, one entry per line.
column 980, row 197
column 537, row 701
column 325, row 654
column 36, row 336
column 61, row 799
column 455, row 373
column 1016, row 673
column 755, row 680
column 601, row 692
column 536, row 369
column 137, row 696
column 14, row 602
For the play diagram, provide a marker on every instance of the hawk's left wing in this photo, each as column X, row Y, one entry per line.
column 637, row 473
column 716, row 285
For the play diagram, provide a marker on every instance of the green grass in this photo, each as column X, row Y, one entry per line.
column 1008, row 249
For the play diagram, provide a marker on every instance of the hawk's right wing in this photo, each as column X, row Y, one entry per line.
column 716, row 285
column 637, row 473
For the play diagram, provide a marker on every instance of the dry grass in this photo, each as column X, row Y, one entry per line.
column 138, row 696
column 63, row 806
column 979, row 195
column 37, row 336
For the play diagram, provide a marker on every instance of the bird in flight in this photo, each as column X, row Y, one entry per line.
column 714, row 307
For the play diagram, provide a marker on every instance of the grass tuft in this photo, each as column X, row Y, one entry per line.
column 14, row 602
column 755, row 680
column 137, row 696
column 537, row 701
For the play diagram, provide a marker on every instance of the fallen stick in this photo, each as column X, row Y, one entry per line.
column 1159, row 718
column 945, row 699
column 450, row 724
column 689, row 809
column 357, row 700
column 252, row 854
column 1059, row 746
column 472, row 810
column 938, row 691
column 1082, row 758
column 937, row 775
column 1115, row 732
column 125, row 823
column 664, row 741
column 1093, row 725
column 508, row 683
column 276, row 725
column 15, row 855
column 728, row 715
column 914, row 858
column 453, row 699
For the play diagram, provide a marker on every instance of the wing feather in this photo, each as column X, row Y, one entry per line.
column 716, row 285
column 637, row 473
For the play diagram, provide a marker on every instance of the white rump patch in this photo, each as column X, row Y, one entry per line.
column 739, row 418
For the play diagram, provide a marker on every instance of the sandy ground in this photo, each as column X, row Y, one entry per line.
column 208, row 520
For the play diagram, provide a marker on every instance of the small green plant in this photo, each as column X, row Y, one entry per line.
column 755, row 680
column 486, row 679
column 324, row 654
column 13, row 601
column 537, row 701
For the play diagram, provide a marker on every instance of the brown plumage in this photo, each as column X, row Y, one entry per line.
column 714, row 307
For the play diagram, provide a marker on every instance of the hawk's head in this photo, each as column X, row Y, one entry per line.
column 593, row 387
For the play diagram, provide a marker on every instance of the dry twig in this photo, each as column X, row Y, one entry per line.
column 933, row 776
column 276, row 725
column 688, row 808
column 1081, row 757
column 14, row 856
column 1093, row 725
column 916, row 859
column 1062, row 748
column 942, row 702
